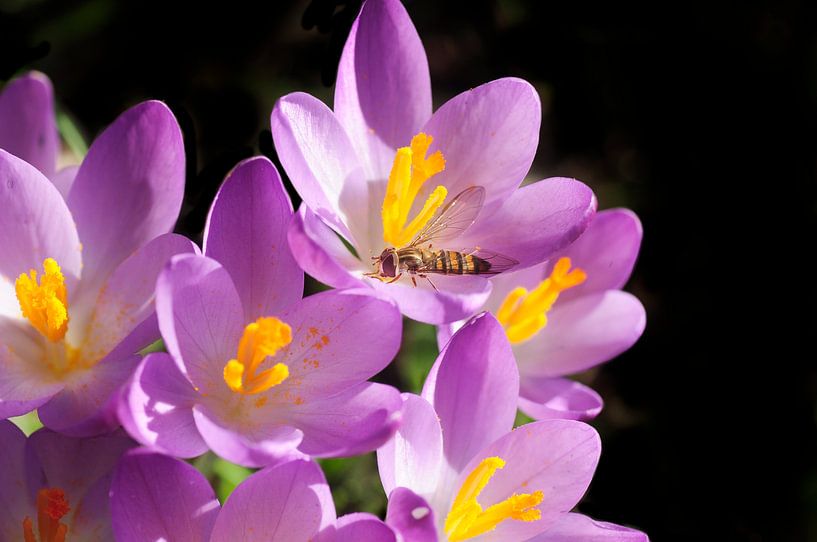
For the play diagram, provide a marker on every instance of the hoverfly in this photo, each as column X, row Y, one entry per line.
column 447, row 224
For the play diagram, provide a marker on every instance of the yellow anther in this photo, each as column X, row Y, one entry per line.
column 467, row 519
column 524, row 314
column 261, row 339
column 45, row 305
column 410, row 170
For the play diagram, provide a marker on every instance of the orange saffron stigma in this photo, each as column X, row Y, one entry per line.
column 261, row 339
column 467, row 519
column 52, row 506
column 409, row 172
column 523, row 314
column 44, row 304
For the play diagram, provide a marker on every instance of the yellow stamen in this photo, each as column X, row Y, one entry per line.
column 410, row 170
column 261, row 339
column 45, row 305
column 524, row 314
column 467, row 519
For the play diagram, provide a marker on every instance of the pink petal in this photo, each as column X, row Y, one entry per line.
column 129, row 188
column 383, row 90
column 246, row 232
column 28, row 126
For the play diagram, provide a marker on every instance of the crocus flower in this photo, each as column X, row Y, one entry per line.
column 373, row 172
column 77, row 275
column 55, row 488
column 456, row 471
column 569, row 314
column 157, row 497
column 254, row 372
column 28, row 127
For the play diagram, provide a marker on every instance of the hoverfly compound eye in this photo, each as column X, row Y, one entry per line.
column 388, row 264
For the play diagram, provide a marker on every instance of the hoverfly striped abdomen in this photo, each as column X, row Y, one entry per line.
column 452, row 262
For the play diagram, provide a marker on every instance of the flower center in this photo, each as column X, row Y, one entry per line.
column 44, row 304
column 52, row 505
column 410, row 170
column 261, row 339
column 467, row 519
column 524, row 314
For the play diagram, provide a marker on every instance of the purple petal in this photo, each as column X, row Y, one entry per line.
column 383, row 90
column 557, row 457
column 16, row 504
column 318, row 157
column 156, row 408
column 28, row 127
column 320, row 252
column 360, row 526
column 155, row 497
column 288, row 502
column 488, row 136
column 547, row 398
column 582, row 333
column 201, row 318
column 473, row 388
column 606, row 251
column 64, row 180
column 340, row 338
column 256, row 447
column 126, row 300
column 26, row 382
column 92, row 517
column 414, row 457
column 246, row 232
column 82, row 467
column 353, row 422
column 457, row 297
column 411, row 516
column 552, row 213
column 129, row 187
column 579, row 528
column 87, row 404
column 35, row 223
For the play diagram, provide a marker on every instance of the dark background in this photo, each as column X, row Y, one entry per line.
column 699, row 116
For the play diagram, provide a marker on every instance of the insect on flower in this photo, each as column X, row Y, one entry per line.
column 449, row 223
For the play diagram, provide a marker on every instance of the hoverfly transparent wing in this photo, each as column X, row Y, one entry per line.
column 453, row 219
column 498, row 263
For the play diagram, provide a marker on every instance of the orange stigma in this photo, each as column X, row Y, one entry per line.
column 467, row 519
column 410, row 170
column 44, row 304
column 261, row 339
column 52, row 505
column 524, row 314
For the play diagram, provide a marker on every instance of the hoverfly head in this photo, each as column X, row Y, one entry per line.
column 388, row 263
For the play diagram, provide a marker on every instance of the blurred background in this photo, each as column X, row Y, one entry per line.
column 700, row 116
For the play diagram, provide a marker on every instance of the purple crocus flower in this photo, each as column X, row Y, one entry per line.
column 55, row 488
column 456, row 471
column 28, row 128
column 569, row 314
column 254, row 372
column 365, row 169
column 156, row 497
column 77, row 275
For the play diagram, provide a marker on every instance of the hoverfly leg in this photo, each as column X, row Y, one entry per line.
column 414, row 281
column 395, row 278
column 429, row 281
